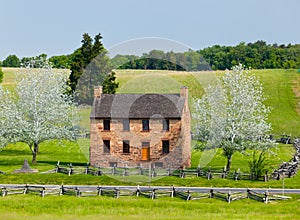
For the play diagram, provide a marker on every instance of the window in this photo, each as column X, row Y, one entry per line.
column 126, row 147
column 126, row 124
column 113, row 164
column 165, row 147
column 106, row 146
column 145, row 123
column 166, row 124
column 106, row 125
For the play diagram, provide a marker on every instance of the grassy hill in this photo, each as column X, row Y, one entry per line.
column 281, row 87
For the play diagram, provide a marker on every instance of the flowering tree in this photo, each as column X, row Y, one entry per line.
column 232, row 115
column 38, row 110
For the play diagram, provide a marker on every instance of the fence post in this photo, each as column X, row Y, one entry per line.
column 99, row 173
column 138, row 191
column 99, row 188
column 211, row 193
column 71, row 169
column 25, row 189
column 43, row 192
column 223, row 175
column 117, row 193
column 182, row 174
column 266, row 199
column 229, row 197
column 4, row 192
column 189, row 195
column 169, row 171
column 236, row 174
column 209, row 175
column 61, row 190
column 248, row 193
column 153, row 172
column 114, row 169
column 173, row 191
column 153, row 194
column 198, row 172
column 57, row 167
column 77, row 192
column 86, row 169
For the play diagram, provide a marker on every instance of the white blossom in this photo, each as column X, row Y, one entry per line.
column 232, row 114
column 38, row 110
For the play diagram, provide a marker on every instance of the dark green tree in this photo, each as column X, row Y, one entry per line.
column 61, row 62
column 1, row 75
column 83, row 56
column 93, row 75
column 110, row 85
column 11, row 61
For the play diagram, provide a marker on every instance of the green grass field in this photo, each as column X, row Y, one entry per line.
column 12, row 157
column 52, row 207
column 281, row 88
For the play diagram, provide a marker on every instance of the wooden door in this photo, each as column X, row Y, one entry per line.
column 145, row 151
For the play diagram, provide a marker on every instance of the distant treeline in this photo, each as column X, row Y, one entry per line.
column 258, row 55
column 160, row 60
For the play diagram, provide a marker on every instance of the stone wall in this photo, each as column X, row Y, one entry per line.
column 179, row 136
column 136, row 136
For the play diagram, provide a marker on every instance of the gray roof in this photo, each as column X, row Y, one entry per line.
column 138, row 106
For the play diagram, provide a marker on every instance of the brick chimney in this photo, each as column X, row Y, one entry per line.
column 184, row 92
column 97, row 91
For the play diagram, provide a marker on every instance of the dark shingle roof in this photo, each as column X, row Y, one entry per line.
column 138, row 106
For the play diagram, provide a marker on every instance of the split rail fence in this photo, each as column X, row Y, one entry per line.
column 148, row 192
column 286, row 169
column 152, row 172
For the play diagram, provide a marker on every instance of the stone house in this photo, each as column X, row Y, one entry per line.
column 140, row 130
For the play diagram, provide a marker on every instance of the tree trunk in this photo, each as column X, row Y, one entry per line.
column 229, row 158
column 34, row 152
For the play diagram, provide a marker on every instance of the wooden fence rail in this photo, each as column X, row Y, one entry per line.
column 148, row 192
column 69, row 169
column 286, row 169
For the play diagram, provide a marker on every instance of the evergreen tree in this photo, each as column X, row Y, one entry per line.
column 1, row 75
column 110, row 85
column 93, row 75
column 83, row 57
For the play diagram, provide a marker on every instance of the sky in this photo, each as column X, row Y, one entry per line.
column 55, row 27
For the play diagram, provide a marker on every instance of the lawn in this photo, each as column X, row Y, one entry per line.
column 67, row 207
column 12, row 157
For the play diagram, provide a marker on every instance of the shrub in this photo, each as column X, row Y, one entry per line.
column 258, row 166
